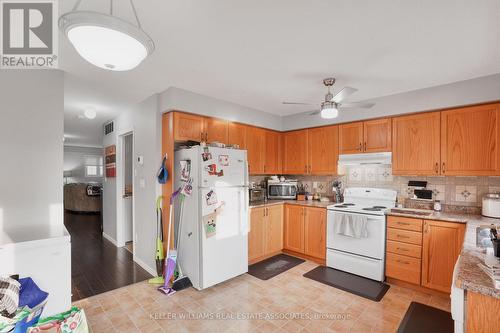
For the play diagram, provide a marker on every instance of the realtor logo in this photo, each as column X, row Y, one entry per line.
column 28, row 34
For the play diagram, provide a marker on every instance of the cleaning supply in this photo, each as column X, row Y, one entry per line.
column 171, row 254
column 160, row 253
column 163, row 172
column 182, row 281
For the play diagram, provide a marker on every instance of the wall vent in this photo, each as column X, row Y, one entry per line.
column 108, row 128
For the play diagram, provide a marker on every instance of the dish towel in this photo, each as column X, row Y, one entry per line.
column 351, row 225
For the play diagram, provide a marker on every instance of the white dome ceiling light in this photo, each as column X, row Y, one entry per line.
column 90, row 113
column 107, row 41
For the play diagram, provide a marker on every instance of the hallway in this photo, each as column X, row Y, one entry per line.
column 97, row 265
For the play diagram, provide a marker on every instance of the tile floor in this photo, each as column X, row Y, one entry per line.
column 140, row 308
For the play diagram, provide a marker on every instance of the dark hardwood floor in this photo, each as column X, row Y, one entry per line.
column 97, row 265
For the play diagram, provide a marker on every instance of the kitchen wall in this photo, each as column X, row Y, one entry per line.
column 74, row 162
column 31, row 147
column 483, row 89
column 455, row 191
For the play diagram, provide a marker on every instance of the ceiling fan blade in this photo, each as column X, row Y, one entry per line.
column 313, row 113
column 341, row 95
column 296, row 103
column 356, row 105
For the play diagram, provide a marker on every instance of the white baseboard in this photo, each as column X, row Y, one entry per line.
column 148, row 269
column 111, row 239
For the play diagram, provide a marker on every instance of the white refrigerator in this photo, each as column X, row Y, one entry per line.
column 213, row 243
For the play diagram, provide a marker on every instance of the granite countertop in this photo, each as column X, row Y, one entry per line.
column 468, row 275
column 309, row 203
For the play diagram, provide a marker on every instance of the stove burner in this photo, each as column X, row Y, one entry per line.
column 381, row 207
column 340, row 206
column 348, row 204
column 372, row 209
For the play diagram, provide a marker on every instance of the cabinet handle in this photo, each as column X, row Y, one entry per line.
column 206, row 136
column 442, row 168
column 360, row 147
column 201, row 136
column 437, row 167
column 403, row 223
column 306, row 168
column 402, row 236
column 403, row 262
column 365, row 146
column 402, row 249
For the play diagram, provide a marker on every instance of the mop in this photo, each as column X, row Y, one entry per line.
column 182, row 281
column 159, row 257
column 171, row 254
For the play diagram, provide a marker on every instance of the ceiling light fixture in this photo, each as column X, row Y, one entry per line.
column 329, row 110
column 90, row 113
column 107, row 41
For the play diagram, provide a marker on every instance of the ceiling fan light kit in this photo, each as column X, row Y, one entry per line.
column 329, row 110
column 106, row 41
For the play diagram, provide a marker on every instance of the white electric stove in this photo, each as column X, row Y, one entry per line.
column 360, row 256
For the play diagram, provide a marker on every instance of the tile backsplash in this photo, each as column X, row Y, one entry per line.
column 454, row 191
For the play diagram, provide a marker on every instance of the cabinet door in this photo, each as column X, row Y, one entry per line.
column 323, row 150
column 274, row 229
column 416, row 144
column 294, row 228
column 295, row 152
column 237, row 135
column 315, row 232
column 188, row 127
column 255, row 149
column 273, row 154
column 469, row 141
column 441, row 247
column 256, row 234
column 377, row 135
column 351, row 138
column 216, row 130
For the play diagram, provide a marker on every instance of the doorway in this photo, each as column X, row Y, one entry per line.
column 127, row 224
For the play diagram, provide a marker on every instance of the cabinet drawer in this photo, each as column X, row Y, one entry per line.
column 404, row 223
column 403, row 268
column 405, row 236
column 406, row 249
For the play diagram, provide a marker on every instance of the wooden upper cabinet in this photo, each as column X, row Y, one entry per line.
column 442, row 243
column 377, row 135
column 351, row 138
column 274, row 229
column 323, row 150
column 294, row 228
column 470, row 139
column 188, row 127
column 216, row 130
column 255, row 144
column 272, row 156
column 315, row 232
column 416, row 144
column 237, row 135
column 295, row 160
column 256, row 238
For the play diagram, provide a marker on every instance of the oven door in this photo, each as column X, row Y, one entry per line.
column 281, row 191
column 372, row 246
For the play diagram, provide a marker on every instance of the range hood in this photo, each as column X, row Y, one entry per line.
column 363, row 159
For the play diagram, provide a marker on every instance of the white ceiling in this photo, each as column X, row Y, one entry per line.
column 259, row 53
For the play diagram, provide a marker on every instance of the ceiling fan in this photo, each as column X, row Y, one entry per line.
column 330, row 107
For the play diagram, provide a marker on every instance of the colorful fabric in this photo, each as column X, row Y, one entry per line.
column 9, row 296
column 72, row 321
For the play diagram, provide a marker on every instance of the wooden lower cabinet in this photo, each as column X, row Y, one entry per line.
column 442, row 243
column 315, row 232
column 305, row 230
column 265, row 237
column 423, row 252
column 294, row 228
column 482, row 313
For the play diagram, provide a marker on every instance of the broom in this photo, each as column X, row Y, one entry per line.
column 159, row 256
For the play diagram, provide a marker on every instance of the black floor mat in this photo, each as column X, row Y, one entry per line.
column 354, row 284
column 273, row 266
column 423, row 318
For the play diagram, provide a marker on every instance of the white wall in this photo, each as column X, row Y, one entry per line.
column 74, row 161
column 478, row 90
column 183, row 100
column 144, row 121
column 31, row 147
